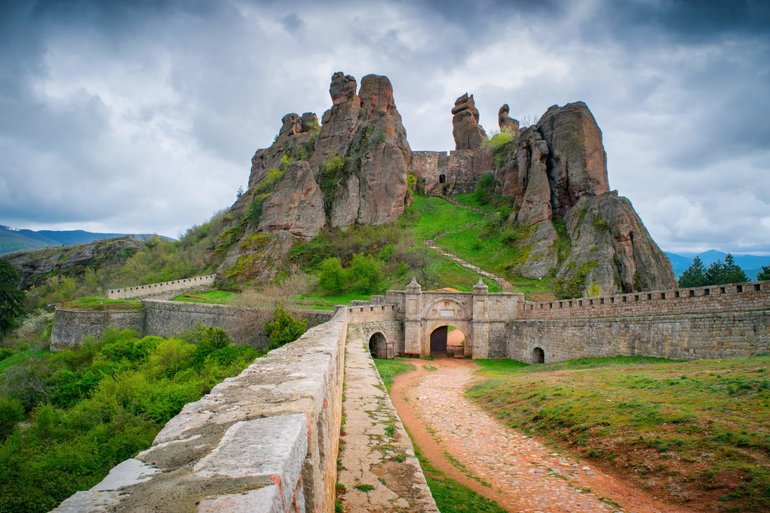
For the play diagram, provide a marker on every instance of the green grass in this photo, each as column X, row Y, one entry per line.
column 451, row 496
column 456, row 276
column 318, row 301
column 389, row 369
column 217, row 297
column 467, row 234
column 701, row 425
column 22, row 356
column 102, row 303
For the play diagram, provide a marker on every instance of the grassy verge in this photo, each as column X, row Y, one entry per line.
column 317, row 301
column 102, row 303
column 217, row 297
column 389, row 369
column 451, row 496
column 693, row 431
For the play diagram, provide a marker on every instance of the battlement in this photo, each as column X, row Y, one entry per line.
column 155, row 289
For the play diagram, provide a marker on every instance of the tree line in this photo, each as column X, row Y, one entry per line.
column 718, row 273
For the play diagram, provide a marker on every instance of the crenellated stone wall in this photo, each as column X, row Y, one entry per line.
column 163, row 288
column 264, row 441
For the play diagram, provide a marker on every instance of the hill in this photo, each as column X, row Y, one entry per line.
column 20, row 240
column 751, row 264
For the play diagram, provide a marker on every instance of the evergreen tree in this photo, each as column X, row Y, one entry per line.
column 695, row 275
column 11, row 298
column 764, row 274
column 733, row 272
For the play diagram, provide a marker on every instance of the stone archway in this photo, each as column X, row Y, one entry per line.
column 538, row 355
column 447, row 340
column 378, row 347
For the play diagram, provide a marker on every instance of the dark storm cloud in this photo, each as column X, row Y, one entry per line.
column 143, row 115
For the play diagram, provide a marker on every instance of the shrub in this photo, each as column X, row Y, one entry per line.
column 284, row 328
column 11, row 412
column 331, row 277
column 365, row 274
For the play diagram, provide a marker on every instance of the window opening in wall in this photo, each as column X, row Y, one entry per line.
column 636, row 297
column 612, row 300
column 441, row 178
column 706, row 292
column 580, row 302
column 757, row 287
column 739, row 288
column 601, row 301
column 591, row 302
column 722, row 290
column 692, row 293
column 625, row 299
column 676, row 294
column 649, row 297
column 538, row 355
column 662, row 295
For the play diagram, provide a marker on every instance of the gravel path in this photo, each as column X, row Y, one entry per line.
column 521, row 474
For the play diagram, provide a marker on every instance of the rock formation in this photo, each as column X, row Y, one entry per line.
column 506, row 122
column 557, row 176
column 350, row 170
column 466, row 130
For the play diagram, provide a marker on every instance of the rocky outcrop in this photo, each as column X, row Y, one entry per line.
column 350, row 170
column 35, row 266
column 467, row 132
column 506, row 122
column 577, row 163
column 556, row 175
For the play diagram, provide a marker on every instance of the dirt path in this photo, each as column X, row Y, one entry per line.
column 514, row 470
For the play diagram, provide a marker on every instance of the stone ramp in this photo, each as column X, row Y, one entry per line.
column 379, row 471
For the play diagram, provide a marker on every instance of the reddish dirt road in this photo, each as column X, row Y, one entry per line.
column 516, row 471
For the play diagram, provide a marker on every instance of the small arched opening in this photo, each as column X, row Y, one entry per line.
column 377, row 346
column 538, row 355
column 447, row 341
column 441, row 178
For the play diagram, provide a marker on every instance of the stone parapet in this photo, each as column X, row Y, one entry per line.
column 714, row 298
column 264, row 441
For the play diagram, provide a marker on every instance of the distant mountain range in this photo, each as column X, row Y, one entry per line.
column 751, row 264
column 21, row 240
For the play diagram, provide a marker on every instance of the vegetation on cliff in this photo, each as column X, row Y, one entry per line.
column 694, row 431
column 67, row 418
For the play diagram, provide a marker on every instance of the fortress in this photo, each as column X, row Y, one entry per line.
column 268, row 439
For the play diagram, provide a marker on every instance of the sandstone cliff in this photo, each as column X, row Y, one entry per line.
column 349, row 170
column 556, row 173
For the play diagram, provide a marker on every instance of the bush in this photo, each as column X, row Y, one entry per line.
column 11, row 412
column 284, row 328
column 365, row 274
column 332, row 277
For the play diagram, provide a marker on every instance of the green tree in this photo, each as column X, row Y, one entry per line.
column 764, row 274
column 733, row 272
column 695, row 275
column 11, row 298
column 332, row 277
column 284, row 328
column 365, row 274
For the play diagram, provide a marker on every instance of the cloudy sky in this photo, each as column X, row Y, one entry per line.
column 142, row 116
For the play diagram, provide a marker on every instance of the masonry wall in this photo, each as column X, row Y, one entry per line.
column 163, row 288
column 168, row 318
column 70, row 327
column 265, row 441
column 681, row 336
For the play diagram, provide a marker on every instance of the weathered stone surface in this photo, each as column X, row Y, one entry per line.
column 506, row 122
column 577, row 163
column 466, row 130
column 296, row 205
column 612, row 249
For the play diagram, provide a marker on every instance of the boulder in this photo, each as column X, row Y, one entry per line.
column 296, row 205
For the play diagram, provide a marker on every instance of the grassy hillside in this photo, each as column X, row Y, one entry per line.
column 696, row 432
